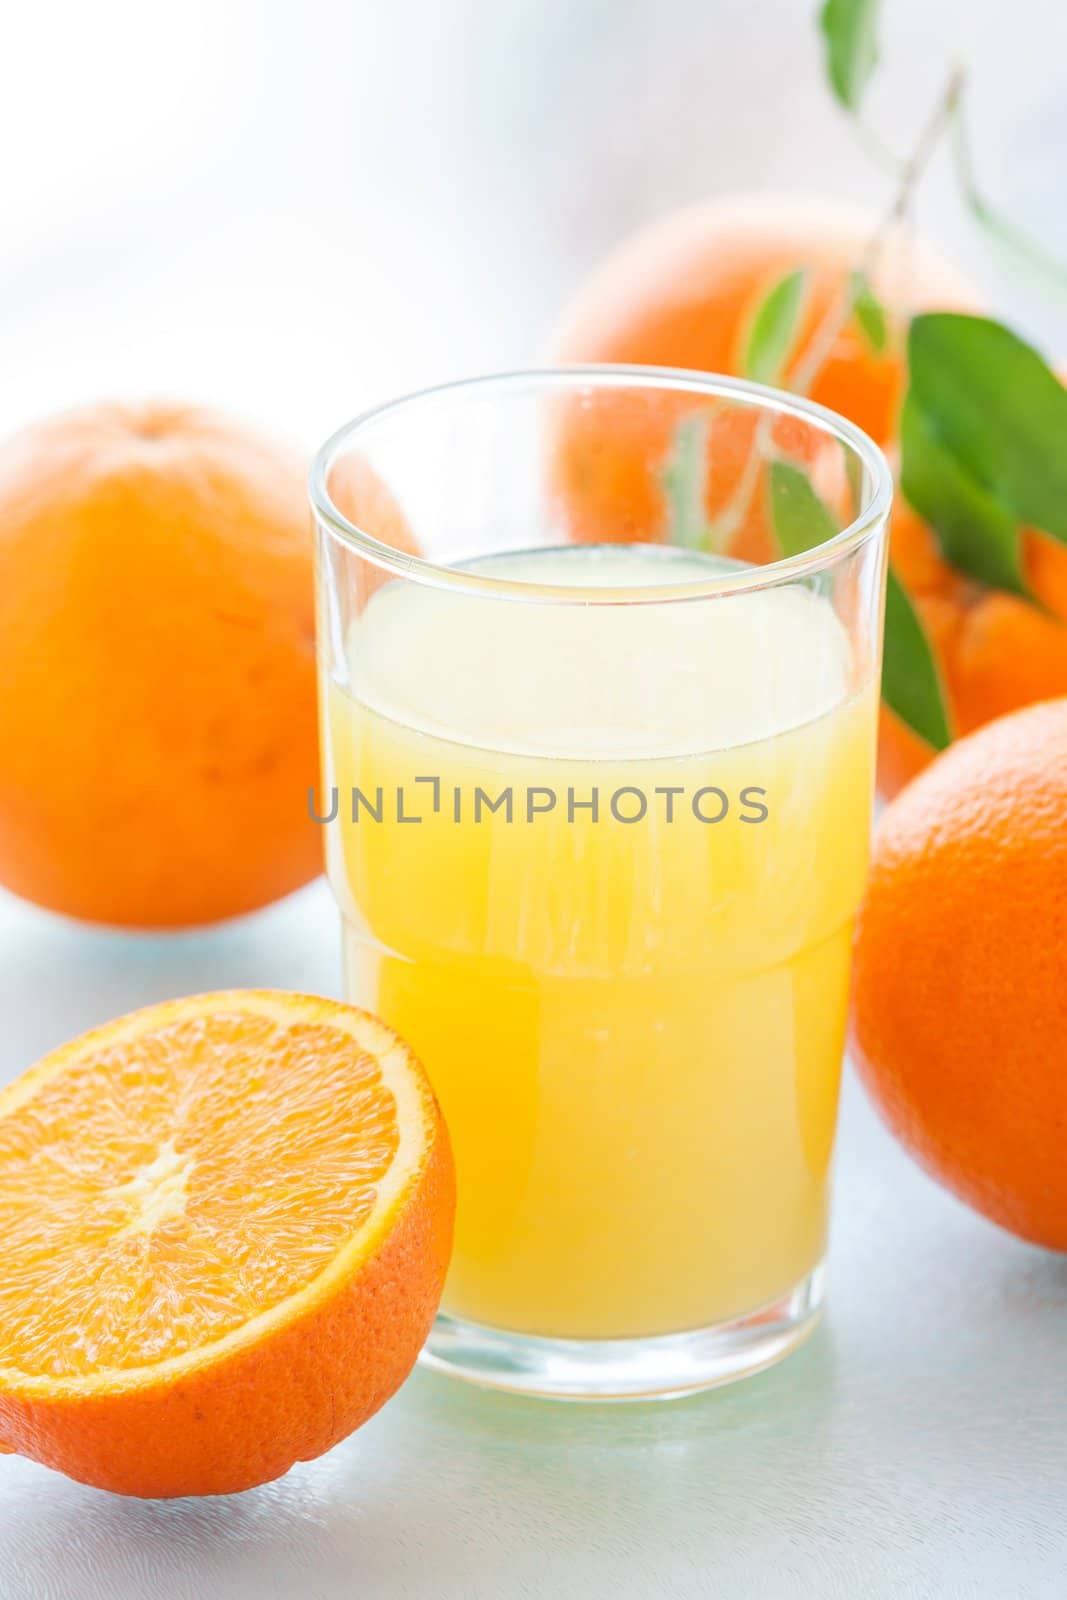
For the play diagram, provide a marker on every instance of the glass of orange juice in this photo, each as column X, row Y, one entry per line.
column 599, row 664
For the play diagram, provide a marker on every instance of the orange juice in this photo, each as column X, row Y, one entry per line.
column 632, row 1007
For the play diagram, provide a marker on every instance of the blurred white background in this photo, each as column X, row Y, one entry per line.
column 295, row 210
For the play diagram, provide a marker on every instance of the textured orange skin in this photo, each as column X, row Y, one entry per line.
column 995, row 651
column 158, row 726
column 246, row 1417
column 959, row 1015
column 683, row 293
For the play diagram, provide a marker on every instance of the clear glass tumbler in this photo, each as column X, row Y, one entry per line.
column 599, row 658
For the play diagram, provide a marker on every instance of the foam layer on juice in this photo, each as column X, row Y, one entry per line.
column 601, row 681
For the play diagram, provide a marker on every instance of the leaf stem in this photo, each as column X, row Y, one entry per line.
column 826, row 335
column 1021, row 247
column 878, row 151
column 821, row 344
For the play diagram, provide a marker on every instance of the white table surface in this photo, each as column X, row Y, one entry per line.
column 916, row 1447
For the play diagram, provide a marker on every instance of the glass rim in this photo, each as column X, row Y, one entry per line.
column 786, row 569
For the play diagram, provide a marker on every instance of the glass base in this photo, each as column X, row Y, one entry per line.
column 661, row 1368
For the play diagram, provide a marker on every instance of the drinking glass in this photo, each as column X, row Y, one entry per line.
column 599, row 664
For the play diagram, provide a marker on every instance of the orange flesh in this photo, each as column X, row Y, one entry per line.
column 169, row 1186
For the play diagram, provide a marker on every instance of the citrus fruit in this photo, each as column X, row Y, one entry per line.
column 158, row 717
column 959, row 1010
column 226, row 1226
column 684, row 293
column 995, row 652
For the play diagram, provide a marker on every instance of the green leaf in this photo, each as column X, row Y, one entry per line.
column 685, row 482
column 975, row 532
column 1022, row 253
column 801, row 520
column 869, row 313
column 774, row 328
column 850, row 28
column 997, row 409
column 911, row 684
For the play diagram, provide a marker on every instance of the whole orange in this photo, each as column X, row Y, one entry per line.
column 684, row 293
column 158, row 720
column 959, row 1017
column 995, row 652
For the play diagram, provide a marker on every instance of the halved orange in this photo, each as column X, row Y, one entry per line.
column 226, row 1222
